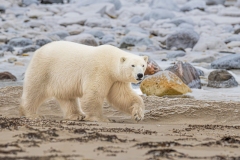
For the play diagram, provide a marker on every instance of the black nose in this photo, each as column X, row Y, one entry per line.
column 140, row 75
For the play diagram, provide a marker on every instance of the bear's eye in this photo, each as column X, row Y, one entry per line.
column 133, row 65
column 142, row 65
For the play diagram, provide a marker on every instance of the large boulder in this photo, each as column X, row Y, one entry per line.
column 221, row 79
column 135, row 39
column 7, row 76
column 163, row 83
column 209, row 43
column 83, row 38
column 165, row 4
column 191, row 5
column 20, row 42
column 187, row 73
column 182, row 39
column 157, row 14
column 152, row 67
column 227, row 62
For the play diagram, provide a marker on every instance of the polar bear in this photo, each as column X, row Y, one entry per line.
column 68, row 71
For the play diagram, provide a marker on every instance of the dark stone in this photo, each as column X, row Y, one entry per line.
column 182, row 39
column 51, row 1
column 30, row 48
column 221, row 79
column 7, row 48
column 215, row 2
column 2, row 9
column 187, row 73
column 227, row 62
column 29, row 2
column 7, row 76
column 237, row 31
column 200, row 72
column 20, row 42
column 42, row 42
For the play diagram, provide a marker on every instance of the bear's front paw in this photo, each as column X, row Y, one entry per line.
column 138, row 113
column 76, row 117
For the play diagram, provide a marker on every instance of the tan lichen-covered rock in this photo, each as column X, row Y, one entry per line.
column 164, row 83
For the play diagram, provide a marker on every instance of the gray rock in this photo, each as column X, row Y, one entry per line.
column 187, row 73
column 134, row 39
column 208, row 59
column 3, row 38
column 72, row 18
column 191, row 5
column 12, row 60
column 98, row 22
column 20, row 42
column 60, row 34
column 29, row 2
column 7, row 48
column 2, row 9
column 83, row 38
column 178, row 21
column 227, row 62
column 157, row 14
column 232, row 38
column 182, row 39
column 107, row 39
column 221, row 79
column 30, row 48
column 165, row 4
column 96, row 33
column 41, row 42
column 136, row 29
column 51, row 1
column 1, row 54
column 116, row 3
column 209, row 43
column 215, row 2
column 175, row 54
column 186, row 26
column 200, row 72
column 136, row 19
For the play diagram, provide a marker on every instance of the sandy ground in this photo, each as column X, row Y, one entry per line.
column 173, row 128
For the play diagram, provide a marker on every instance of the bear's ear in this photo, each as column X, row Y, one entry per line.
column 145, row 58
column 123, row 59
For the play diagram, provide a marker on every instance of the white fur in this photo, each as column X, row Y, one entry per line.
column 68, row 71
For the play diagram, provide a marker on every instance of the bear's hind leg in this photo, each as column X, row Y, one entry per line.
column 71, row 109
column 29, row 105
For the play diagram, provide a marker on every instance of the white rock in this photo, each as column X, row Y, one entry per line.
column 233, row 44
column 38, row 14
column 165, row 4
column 74, row 29
column 196, row 4
column 209, row 43
column 232, row 12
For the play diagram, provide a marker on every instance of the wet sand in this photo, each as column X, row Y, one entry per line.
column 173, row 128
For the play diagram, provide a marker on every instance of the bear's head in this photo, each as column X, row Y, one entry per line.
column 133, row 68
